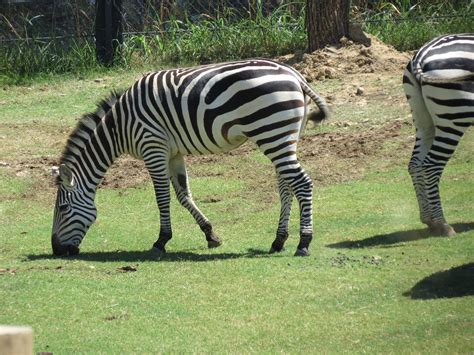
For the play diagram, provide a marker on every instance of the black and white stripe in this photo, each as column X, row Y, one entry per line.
column 439, row 86
column 168, row 114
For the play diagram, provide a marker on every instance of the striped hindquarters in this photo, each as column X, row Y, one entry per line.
column 441, row 78
column 445, row 59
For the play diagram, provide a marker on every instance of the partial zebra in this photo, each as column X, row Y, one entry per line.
column 439, row 86
column 168, row 114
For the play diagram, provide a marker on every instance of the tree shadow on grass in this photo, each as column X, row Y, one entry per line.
column 150, row 255
column 455, row 282
column 391, row 239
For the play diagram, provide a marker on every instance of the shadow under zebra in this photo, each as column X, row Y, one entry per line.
column 150, row 255
column 392, row 239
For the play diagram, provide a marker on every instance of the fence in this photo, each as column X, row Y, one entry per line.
column 108, row 21
column 66, row 20
column 53, row 19
column 61, row 36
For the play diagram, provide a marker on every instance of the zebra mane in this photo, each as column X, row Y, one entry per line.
column 86, row 125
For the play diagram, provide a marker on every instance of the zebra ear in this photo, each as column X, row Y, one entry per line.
column 66, row 175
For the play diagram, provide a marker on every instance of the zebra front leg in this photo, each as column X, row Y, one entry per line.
column 286, row 197
column 157, row 166
column 163, row 200
column 179, row 179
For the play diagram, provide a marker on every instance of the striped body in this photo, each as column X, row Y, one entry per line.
column 439, row 86
column 172, row 113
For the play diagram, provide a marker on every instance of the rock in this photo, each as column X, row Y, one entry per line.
column 345, row 41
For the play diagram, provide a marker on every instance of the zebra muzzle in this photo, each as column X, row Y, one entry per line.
column 62, row 250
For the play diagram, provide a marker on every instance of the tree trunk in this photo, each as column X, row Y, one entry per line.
column 326, row 22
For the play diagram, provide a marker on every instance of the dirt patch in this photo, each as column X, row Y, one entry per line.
column 336, row 157
column 343, row 260
column 125, row 172
column 350, row 144
column 328, row 157
column 37, row 167
column 334, row 62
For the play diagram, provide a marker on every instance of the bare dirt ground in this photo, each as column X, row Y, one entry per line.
column 328, row 156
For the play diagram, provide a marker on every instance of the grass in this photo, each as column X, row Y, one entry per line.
column 374, row 282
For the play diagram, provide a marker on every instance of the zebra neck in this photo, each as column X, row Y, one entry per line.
column 96, row 155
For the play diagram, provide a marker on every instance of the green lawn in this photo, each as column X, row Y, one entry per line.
column 375, row 282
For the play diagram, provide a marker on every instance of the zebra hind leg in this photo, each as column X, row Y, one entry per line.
column 303, row 190
column 425, row 132
column 179, row 179
column 433, row 166
column 293, row 180
column 286, row 197
column 415, row 169
column 302, row 187
column 450, row 107
column 432, row 171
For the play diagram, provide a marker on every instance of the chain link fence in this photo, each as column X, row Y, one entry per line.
column 58, row 36
column 67, row 20
column 59, row 19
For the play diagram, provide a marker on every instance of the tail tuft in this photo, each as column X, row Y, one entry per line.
column 317, row 115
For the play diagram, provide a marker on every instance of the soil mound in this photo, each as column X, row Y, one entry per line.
column 347, row 58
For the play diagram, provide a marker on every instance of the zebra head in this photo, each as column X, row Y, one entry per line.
column 74, row 213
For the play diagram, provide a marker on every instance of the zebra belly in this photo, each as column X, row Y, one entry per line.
column 225, row 147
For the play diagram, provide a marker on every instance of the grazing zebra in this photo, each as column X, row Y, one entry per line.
column 168, row 114
column 439, row 86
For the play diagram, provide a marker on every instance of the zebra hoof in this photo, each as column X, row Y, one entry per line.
column 302, row 252
column 278, row 244
column 73, row 250
column 274, row 250
column 441, row 229
column 159, row 252
column 214, row 243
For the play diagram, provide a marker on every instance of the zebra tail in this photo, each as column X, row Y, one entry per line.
column 426, row 79
column 323, row 113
